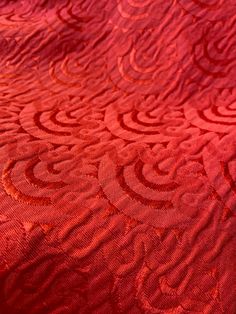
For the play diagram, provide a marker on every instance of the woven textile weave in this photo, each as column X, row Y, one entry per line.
column 118, row 157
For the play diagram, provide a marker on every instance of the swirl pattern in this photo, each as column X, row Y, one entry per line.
column 117, row 156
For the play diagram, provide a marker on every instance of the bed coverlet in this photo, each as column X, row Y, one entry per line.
column 118, row 156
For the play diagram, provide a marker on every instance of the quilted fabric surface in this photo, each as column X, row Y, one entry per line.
column 118, row 156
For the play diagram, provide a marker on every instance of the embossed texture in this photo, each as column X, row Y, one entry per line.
column 118, row 156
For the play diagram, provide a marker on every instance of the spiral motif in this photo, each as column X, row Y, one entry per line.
column 209, row 58
column 213, row 118
column 145, row 62
column 145, row 126
column 26, row 179
column 117, row 156
column 210, row 10
column 153, row 191
column 136, row 14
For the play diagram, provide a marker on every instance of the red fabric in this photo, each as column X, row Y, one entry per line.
column 118, row 156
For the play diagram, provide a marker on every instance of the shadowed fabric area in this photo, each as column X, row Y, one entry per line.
column 118, row 157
